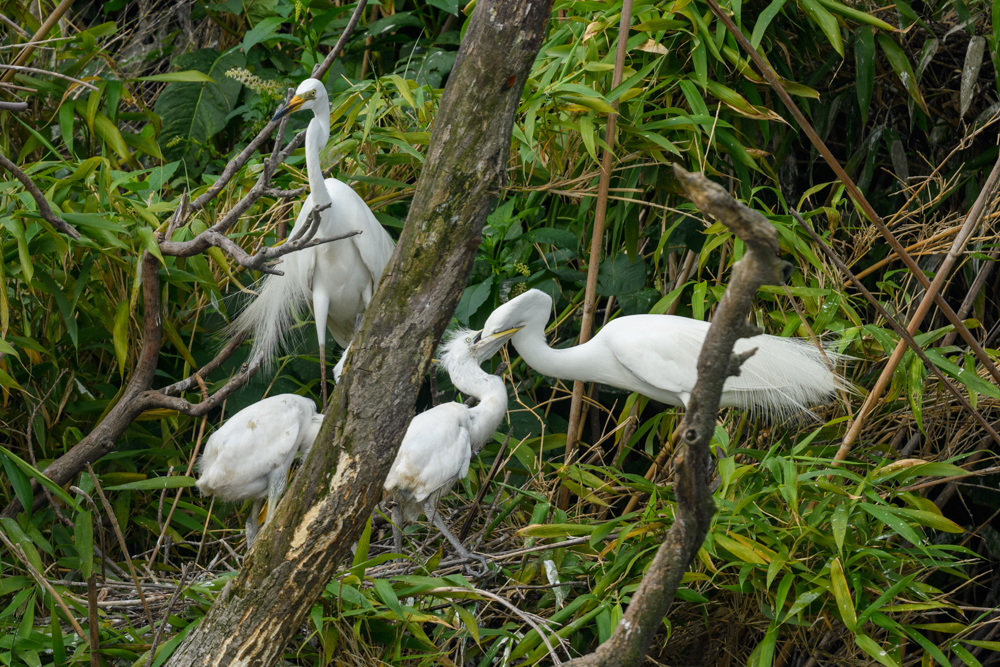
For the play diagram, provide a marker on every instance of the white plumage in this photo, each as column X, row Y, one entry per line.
column 249, row 456
column 657, row 356
column 440, row 443
column 336, row 279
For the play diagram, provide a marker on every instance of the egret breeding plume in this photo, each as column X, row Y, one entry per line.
column 657, row 356
column 336, row 279
column 249, row 456
column 440, row 442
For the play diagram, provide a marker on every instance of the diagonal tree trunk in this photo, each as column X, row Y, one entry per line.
column 340, row 482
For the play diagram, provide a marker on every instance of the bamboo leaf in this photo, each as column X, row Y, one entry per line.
column 901, row 66
column 842, row 593
column 864, row 60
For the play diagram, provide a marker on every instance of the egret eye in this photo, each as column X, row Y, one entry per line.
column 469, row 339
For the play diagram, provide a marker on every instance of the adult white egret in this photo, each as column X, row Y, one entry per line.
column 336, row 279
column 657, row 356
column 439, row 443
column 249, row 456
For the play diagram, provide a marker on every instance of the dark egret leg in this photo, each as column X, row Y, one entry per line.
column 276, row 483
column 439, row 523
column 252, row 527
column 397, row 528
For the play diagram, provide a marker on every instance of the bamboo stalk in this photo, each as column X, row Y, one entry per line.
column 956, row 251
column 43, row 30
column 596, row 243
column 852, row 189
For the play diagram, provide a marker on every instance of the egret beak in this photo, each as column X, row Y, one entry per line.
column 293, row 105
column 485, row 347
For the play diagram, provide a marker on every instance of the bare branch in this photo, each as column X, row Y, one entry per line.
column 206, row 370
column 156, row 399
column 760, row 265
column 13, row 106
column 320, row 70
column 44, row 209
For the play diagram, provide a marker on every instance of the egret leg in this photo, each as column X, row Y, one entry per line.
column 322, row 373
column 357, row 321
column 439, row 523
column 252, row 527
column 276, row 483
column 397, row 528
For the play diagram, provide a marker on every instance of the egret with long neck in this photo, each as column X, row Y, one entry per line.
column 336, row 279
column 440, row 443
column 657, row 356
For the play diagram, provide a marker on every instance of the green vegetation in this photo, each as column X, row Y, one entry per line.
column 887, row 559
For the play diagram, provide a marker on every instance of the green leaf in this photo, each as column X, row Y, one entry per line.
column 764, row 19
column 261, row 32
column 559, row 530
column 155, row 483
column 901, row 65
column 856, row 15
column 108, row 131
column 83, row 534
column 119, row 335
column 875, row 650
column 388, row 596
column 194, row 112
column 31, row 471
column 966, row 377
column 864, row 68
column 839, row 524
column 469, row 620
column 189, row 76
column 17, row 231
column 842, row 593
column 618, row 275
column 826, row 21
column 22, row 487
column 915, row 389
column 888, row 518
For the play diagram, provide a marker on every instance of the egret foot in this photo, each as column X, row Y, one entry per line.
column 439, row 523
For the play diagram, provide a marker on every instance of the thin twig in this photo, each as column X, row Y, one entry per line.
column 321, row 69
column 166, row 615
column 44, row 209
column 900, row 329
column 504, row 602
column 39, row 36
column 121, row 542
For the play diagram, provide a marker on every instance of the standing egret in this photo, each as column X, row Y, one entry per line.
column 439, row 443
column 249, row 456
column 336, row 279
column 657, row 356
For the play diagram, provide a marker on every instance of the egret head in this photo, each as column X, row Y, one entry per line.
column 311, row 94
column 531, row 308
column 466, row 346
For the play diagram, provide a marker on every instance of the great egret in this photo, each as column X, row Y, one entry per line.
column 439, row 443
column 657, row 356
column 249, row 456
column 336, row 279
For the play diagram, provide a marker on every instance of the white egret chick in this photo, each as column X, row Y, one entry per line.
column 439, row 443
column 657, row 356
column 336, row 279
column 249, row 456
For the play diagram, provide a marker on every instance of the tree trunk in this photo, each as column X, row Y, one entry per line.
column 340, row 482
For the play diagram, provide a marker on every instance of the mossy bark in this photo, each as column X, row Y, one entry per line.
column 340, row 482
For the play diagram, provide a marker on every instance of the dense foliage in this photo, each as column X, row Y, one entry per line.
column 883, row 560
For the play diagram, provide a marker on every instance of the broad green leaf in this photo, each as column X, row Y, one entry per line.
column 261, row 32
column 839, row 524
column 931, row 520
column 108, row 131
column 763, row 20
column 966, row 377
column 856, row 15
column 970, row 71
column 194, row 112
column 32, row 472
column 555, row 530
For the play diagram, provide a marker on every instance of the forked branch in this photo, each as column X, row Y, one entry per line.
column 760, row 265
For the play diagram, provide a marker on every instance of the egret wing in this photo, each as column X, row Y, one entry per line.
column 659, row 350
column 252, row 444
column 435, row 452
column 374, row 243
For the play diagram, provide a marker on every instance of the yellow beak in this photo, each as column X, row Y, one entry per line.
column 292, row 106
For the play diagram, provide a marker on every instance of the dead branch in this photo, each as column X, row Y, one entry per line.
column 759, row 266
column 13, row 106
column 44, row 209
